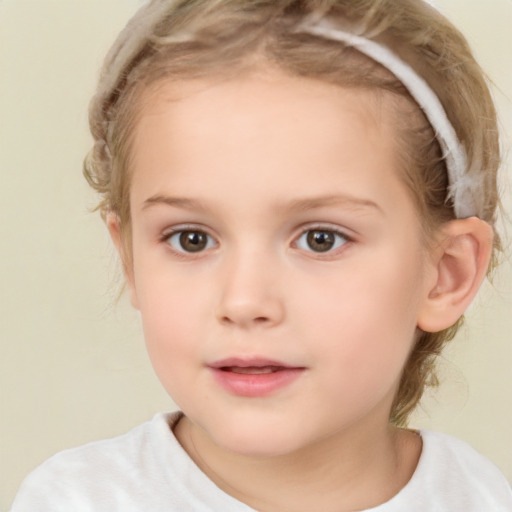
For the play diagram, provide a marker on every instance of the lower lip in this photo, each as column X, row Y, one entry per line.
column 254, row 385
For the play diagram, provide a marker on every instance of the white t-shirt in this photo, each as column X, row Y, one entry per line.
column 147, row 470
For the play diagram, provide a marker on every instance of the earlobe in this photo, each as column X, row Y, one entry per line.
column 114, row 228
column 461, row 261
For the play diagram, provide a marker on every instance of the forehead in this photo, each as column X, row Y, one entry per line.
column 261, row 128
column 277, row 91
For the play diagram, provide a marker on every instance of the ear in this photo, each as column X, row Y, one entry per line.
column 114, row 228
column 460, row 265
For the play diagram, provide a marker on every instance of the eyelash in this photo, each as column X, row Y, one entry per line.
column 334, row 233
column 180, row 231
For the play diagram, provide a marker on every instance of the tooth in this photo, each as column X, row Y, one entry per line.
column 253, row 370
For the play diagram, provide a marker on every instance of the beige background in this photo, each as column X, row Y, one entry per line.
column 72, row 363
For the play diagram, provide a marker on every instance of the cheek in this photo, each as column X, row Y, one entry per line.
column 170, row 311
column 364, row 319
column 371, row 295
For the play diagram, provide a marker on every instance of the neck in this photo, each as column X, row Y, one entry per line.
column 355, row 469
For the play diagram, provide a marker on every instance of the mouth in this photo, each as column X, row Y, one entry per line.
column 252, row 370
column 254, row 377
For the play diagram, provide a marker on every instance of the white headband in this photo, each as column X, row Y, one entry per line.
column 461, row 185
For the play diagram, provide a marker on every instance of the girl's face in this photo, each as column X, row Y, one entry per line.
column 278, row 262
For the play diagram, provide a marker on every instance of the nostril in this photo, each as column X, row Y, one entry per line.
column 258, row 320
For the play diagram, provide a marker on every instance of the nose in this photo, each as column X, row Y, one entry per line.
column 251, row 293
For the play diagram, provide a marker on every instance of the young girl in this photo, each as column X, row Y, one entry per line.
column 303, row 196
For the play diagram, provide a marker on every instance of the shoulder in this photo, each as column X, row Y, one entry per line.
column 100, row 474
column 451, row 452
column 460, row 478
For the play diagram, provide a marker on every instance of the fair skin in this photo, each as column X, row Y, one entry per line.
column 280, row 321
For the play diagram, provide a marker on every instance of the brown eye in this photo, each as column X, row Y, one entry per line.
column 321, row 240
column 190, row 241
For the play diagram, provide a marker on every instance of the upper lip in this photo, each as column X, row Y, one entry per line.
column 256, row 362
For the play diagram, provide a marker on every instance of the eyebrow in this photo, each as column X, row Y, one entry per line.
column 178, row 202
column 345, row 200
column 299, row 205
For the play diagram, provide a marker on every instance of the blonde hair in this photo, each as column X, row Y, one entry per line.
column 177, row 39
